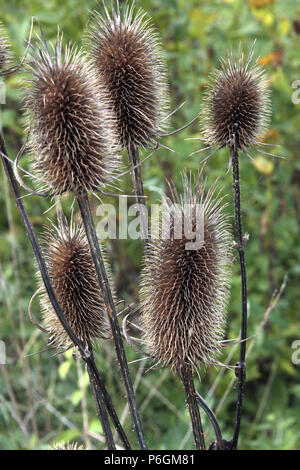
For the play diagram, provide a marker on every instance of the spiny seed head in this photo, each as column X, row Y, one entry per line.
column 184, row 291
column 71, row 129
column 67, row 446
column 73, row 276
column 237, row 104
column 128, row 59
column 5, row 49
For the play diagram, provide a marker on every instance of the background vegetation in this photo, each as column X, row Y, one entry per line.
column 45, row 398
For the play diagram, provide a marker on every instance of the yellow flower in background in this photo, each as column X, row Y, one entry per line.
column 267, row 59
column 266, row 17
column 284, row 25
column 275, row 58
column 263, row 165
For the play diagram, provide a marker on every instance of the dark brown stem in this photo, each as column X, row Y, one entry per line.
column 84, row 206
column 213, row 420
column 186, row 375
column 85, row 354
column 106, row 398
column 240, row 245
column 98, row 396
column 137, row 182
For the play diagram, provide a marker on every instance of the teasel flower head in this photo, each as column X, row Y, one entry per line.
column 128, row 59
column 237, row 108
column 67, row 446
column 184, row 288
column 73, row 276
column 5, row 49
column 71, row 129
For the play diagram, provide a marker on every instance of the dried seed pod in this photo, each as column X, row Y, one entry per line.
column 72, row 134
column 73, row 276
column 238, row 104
column 128, row 59
column 184, row 288
column 67, row 446
column 5, row 49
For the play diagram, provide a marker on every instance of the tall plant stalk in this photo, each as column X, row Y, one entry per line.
column 99, row 384
column 240, row 245
column 85, row 353
column 185, row 372
column 84, row 207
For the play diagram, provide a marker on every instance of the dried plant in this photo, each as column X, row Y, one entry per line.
column 236, row 114
column 237, row 107
column 184, row 291
column 67, row 446
column 71, row 129
column 6, row 56
column 79, row 112
column 127, row 56
column 73, row 276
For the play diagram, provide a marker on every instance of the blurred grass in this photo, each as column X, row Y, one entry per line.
column 42, row 397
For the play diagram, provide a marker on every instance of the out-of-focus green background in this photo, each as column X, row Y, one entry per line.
column 45, row 398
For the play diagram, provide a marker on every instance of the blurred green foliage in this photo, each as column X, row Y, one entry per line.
column 42, row 397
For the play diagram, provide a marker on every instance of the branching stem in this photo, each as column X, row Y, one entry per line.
column 186, row 375
column 85, row 353
column 84, row 206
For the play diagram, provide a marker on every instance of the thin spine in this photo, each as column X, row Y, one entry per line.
column 14, row 69
column 84, row 207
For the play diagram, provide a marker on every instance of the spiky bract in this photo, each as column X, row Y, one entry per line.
column 5, row 49
column 72, row 133
column 237, row 104
column 73, row 276
column 184, row 291
column 67, row 446
column 128, row 59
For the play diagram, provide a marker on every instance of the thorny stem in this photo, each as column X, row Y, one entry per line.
column 241, row 250
column 84, row 206
column 213, row 420
column 137, row 181
column 186, row 375
column 110, row 408
column 101, row 409
column 85, row 354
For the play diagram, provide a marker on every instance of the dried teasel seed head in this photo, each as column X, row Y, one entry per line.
column 184, row 288
column 71, row 129
column 5, row 49
column 67, row 446
column 73, row 276
column 128, row 59
column 238, row 104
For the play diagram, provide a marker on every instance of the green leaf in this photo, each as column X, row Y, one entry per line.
column 76, row 397
column 64, row 369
